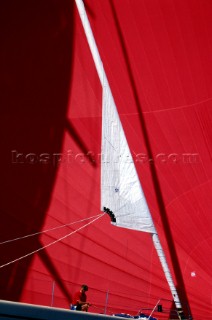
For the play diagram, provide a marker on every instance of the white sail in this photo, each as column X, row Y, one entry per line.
column 121, row 190
column 121, row 193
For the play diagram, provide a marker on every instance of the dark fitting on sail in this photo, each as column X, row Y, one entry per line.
column 110, row 213
column 160, row 308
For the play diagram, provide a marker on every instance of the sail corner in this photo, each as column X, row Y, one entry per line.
column 110, row 213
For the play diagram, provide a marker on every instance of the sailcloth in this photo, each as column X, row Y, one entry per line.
column 121, row 191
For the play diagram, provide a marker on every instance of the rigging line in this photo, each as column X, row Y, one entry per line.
column 51, row 243
column 47, row 230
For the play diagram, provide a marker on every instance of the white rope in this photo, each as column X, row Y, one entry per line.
column 51, row 243
column 47, row 230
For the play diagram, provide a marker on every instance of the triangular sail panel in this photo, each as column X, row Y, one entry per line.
column 121, row 191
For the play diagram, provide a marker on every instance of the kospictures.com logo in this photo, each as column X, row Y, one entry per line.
column 68, row 157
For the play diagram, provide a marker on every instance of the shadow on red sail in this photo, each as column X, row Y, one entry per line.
column 35, row 57
column 75, row 135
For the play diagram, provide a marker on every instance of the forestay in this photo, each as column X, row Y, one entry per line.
column 121, row 192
